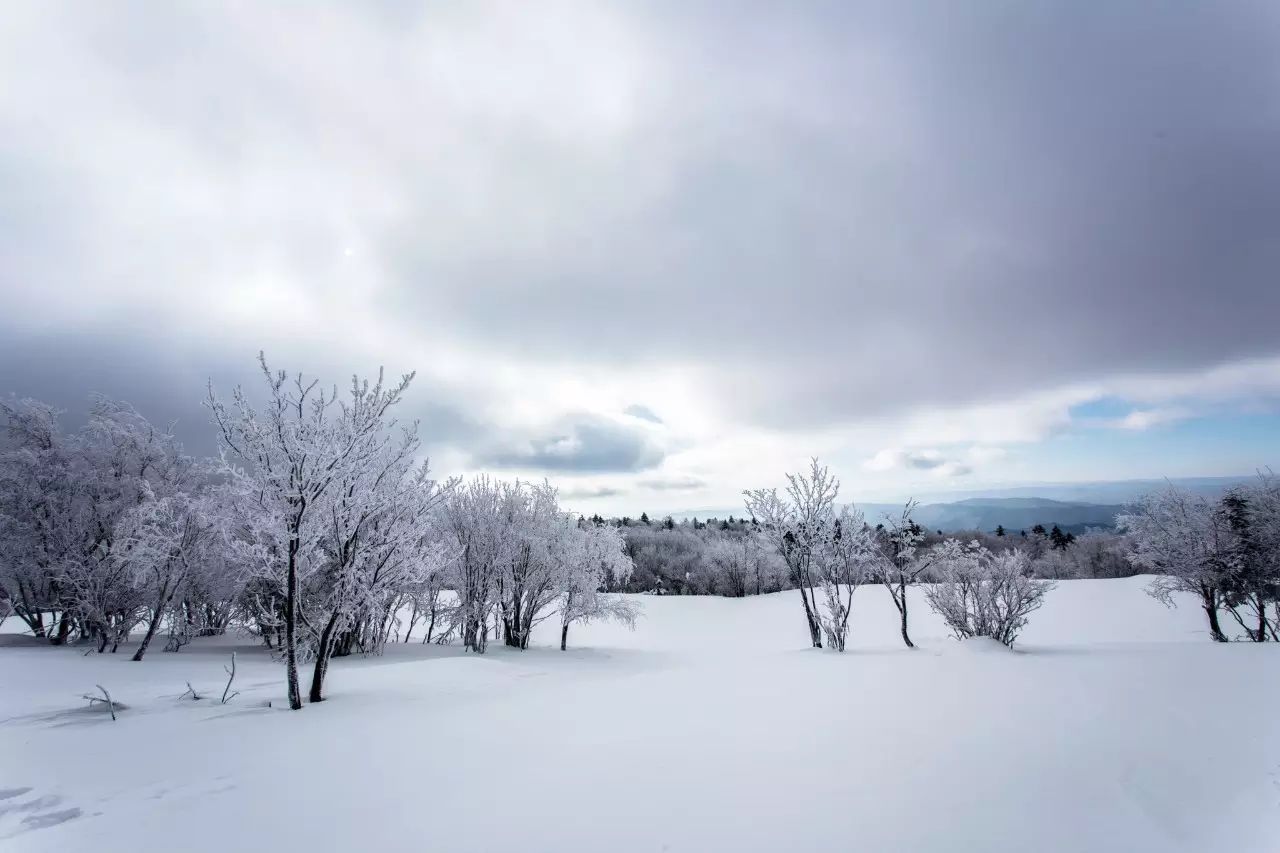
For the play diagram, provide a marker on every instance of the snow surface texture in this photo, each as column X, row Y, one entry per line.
column 1116, row 726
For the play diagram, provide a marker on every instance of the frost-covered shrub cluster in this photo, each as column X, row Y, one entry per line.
column 315, row 530
column 1226, row 552
column 979, row 593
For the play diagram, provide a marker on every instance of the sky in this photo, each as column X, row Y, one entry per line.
column 661, row 252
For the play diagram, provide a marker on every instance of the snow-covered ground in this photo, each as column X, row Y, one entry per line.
column 1116, row 726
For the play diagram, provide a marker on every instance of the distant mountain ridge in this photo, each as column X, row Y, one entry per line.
column 1014, row 514
column 1075, row 507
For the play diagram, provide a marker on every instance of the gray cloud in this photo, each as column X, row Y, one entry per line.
column 643, row 412
column 834, row 210
column 932, row 461
column 581, row 443
column 668, row 484
column 591, row 492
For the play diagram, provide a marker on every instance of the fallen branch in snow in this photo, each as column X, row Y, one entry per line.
column 231, row 673
column 110, row 705
column 195, row 697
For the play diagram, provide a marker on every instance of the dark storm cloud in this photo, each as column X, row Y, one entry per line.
column 835, row 210
column 168, row 383
column 582, row 444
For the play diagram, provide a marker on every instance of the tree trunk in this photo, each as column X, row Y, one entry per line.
column 290, row 629
column 161, row 605
column 470, row 630
column 1208, row 601
column 1215, row 629
column 413, row 618
column 146, row 638
column 431, row 626
column 64, row 628
column 811, row 620
column 564, row 637
column 321, row 667
column 902, row 610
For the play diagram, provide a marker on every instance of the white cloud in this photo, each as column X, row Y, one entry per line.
column 1143, row 419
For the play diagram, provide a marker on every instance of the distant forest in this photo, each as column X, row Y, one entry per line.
column 715, row 556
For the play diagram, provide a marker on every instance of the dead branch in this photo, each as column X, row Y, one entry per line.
column 110, row 705
column 231, row 676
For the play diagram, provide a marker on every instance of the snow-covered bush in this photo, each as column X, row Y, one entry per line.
column 983, row 594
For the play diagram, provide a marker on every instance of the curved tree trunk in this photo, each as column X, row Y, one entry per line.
column 906, row 638
column 323, row 654
column 161, row 605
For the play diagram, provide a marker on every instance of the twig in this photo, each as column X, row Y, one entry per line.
column 231, row 673
column 194, row 695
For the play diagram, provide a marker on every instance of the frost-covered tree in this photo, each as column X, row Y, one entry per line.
column 475, row 517
column 164, row 544
column 732, row 564
column 896, row 561
column 798, row 526
column 843, row 559
column 379, row 543
column 289, row 459
column 595, row 552
column 541, row 540
column 37, row 496
column 1189, row 542
column 63, row 502
column 979, row 593
column 1251, row 585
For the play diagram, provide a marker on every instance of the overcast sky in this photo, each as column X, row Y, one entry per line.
column 662, row 252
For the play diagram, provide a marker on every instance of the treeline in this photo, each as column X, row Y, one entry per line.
column 316, row 530
column 713, row 556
